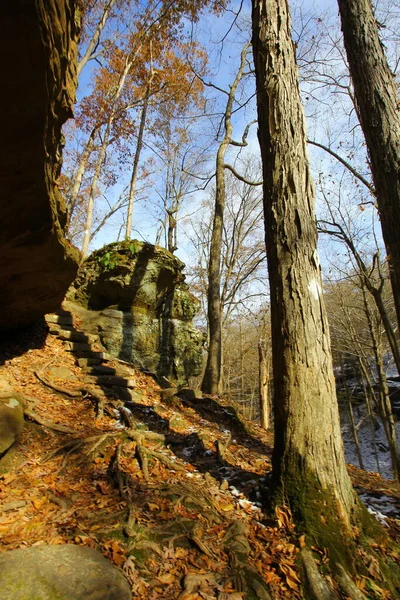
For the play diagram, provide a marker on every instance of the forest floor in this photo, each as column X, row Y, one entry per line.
column 174, row 500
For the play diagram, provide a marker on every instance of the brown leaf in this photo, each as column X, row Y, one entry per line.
column 284, row 517
column 166, row 579
column 289, row 572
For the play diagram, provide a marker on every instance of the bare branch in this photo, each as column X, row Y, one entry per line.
column 236, row 174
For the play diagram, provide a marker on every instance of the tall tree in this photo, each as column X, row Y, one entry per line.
column 377, row 104
column 308, row 459
column 212, row 375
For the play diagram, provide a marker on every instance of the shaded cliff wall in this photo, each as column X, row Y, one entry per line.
column 38, row 48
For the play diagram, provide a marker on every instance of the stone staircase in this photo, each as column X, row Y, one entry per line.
column 114, row 380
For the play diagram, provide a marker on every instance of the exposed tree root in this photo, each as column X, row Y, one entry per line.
column 348, row 585
column 75, row 444
column 166, row 461
column 143, row 461
column 63, row 502
column 80, row 392
column 41, row 421
column 319, row 588
column 222, row 447
column 58, row 388
column 195, row 539
column 129, row 528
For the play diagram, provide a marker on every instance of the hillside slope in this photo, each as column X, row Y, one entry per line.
column 170, row 490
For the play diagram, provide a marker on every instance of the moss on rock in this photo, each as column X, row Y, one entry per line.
column 144, row 308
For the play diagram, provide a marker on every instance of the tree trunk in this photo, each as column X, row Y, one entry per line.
column 94, row 42
column 212, row 376
column 76, row 186
column 135, row 168
column 93, row 190
column 171, row 231
column 385, row 406
column 263, row 378
column 354, row 430
column 308, row 460
column 377, row 107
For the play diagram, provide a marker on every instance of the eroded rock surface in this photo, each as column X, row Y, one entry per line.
column 134, row 296
column 64, row 572
column 38, row 46
column 11, row 416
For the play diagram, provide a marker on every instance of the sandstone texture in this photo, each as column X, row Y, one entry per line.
column 11, row 416
column 64, row 572
column 38, row 47
column 133, row 295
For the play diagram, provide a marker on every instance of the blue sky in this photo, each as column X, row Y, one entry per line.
column 324, row 127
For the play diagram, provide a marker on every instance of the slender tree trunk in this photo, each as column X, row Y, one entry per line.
column 102, row 152
column 371, row 418
column 135, row 168
column 263, row 379
column 212, row 376
column 378, row 110
column 351, row 413
column 91, row 48
column 76, row 186
column 93, row 191
column 384, row 398
column 309, row 469
column 390, row 334
column 171, row 230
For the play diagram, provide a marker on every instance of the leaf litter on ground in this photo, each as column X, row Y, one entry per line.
column 181, row 519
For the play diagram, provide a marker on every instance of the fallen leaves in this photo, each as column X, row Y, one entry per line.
column 284, row 518
column 179, row 520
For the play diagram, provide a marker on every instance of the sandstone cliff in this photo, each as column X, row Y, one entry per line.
column 38, row 47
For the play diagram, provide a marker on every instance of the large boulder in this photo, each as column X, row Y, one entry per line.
column 38, row 48
column 134, row 296
column 60, row 573
column 11, row 416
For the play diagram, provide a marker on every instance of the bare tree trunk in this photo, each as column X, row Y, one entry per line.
column 351, row 413
column 94, row 42
column 212, row 376
column 366, row 277
column 263, row 379
column 309, row 469
column 385, row 407
column 135, row 168
column 76, row 186
column 102, row 152
column 371, row 418
column 93, row 190
column 171, row 231
column 377, row 106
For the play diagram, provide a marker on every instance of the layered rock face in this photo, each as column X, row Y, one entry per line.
column 38, row 46
column 133, row 295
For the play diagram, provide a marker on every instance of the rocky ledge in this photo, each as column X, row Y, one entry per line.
column 133, row 295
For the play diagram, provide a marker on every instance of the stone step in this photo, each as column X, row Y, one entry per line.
column 78, row 347
column 78, row 336
column 55, row 329
column 99, row 369
column 91, row 354
column 66, row 319
column 112, row 380
column 84, row 363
